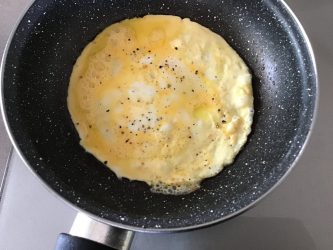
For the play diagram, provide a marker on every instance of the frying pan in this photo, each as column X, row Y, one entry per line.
column 36, row 68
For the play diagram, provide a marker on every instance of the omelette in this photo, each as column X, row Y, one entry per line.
column 163, row 100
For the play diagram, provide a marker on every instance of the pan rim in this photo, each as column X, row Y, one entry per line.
column 151, row 229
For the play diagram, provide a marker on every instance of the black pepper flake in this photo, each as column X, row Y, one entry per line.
column 196, row 72
column 105, row 162
column 176, row 48
column 108, row 110
column 192, row 90
column 90, row 126
column 190, row 137
column 122, row 132
column 219, row 110
column 127, row 141
column 137, row 49
column 129, row 39
column 224, row 121
column 77, row 123
column 169, row 85
column 109, row 55
column 119, row 126
column 160, row 66
column 80, row 77
column 149, row 51
column 213, row 99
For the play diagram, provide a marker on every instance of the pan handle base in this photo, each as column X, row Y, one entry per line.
column 69, row 242
column 87, row 229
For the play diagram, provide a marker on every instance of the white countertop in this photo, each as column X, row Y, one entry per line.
column 301, row 207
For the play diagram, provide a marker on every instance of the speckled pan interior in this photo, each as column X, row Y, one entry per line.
column 36, row 74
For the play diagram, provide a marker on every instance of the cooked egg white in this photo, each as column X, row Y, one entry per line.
column 162, row 100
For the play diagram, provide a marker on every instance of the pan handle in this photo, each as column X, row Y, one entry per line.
column 89, row 234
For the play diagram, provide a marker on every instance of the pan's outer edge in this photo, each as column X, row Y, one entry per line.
column 160, row 230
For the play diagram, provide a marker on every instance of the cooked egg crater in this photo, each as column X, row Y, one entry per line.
column 162, row 100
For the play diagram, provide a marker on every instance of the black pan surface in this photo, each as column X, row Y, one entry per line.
column 36, row 71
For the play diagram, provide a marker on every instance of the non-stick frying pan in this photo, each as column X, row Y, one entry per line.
column 35, row 74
